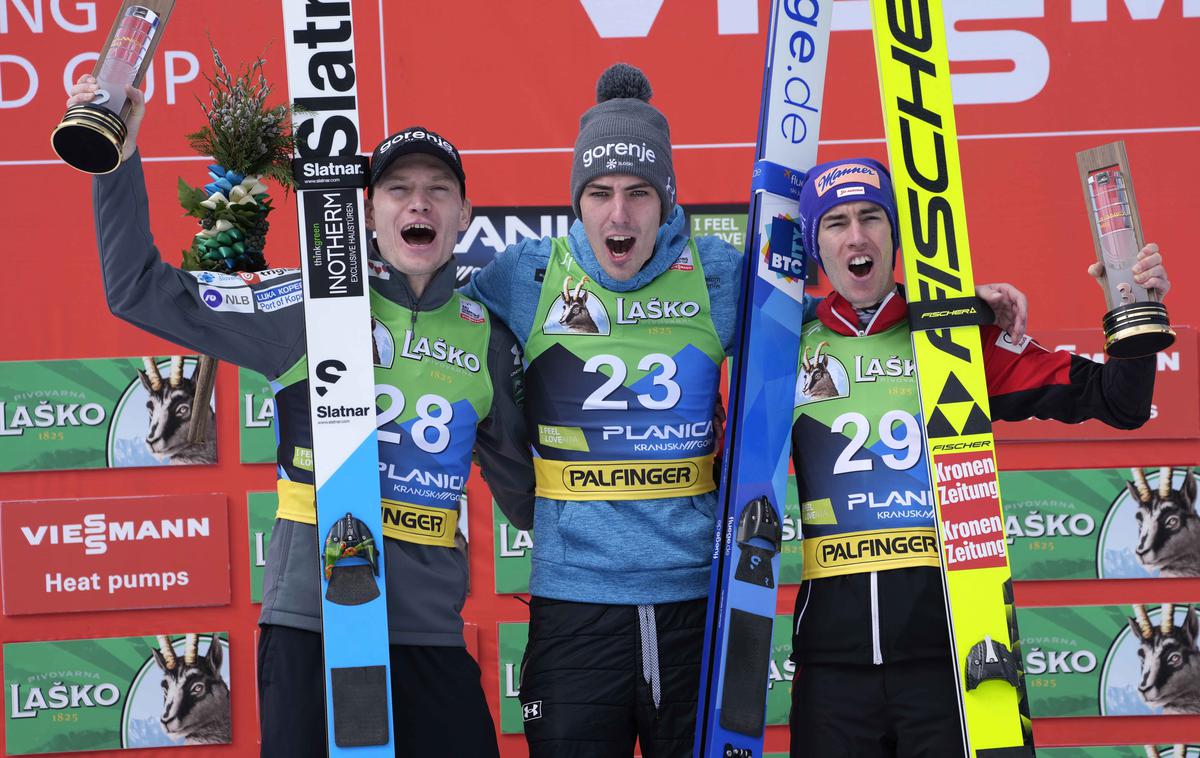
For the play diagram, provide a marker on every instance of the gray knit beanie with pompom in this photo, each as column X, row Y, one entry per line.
column 624, row 134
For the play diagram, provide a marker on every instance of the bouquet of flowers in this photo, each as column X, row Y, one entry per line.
column 250, row 143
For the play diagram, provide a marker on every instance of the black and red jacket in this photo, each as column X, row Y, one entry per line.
column 901, row 614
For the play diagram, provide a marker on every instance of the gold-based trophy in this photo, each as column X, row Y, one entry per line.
column 91, row 136
column 1136, row 323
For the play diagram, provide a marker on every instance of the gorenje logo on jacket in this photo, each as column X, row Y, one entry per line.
column 864, row 492
column 620, row 385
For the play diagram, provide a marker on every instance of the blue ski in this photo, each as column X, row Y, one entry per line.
column 745, row 574
column 319, row 40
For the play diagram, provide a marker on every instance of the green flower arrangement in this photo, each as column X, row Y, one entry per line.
column 250, row 143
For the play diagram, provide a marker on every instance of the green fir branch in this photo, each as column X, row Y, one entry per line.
column 244, row 134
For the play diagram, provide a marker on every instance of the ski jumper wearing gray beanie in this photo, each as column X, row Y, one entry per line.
column 624, row 134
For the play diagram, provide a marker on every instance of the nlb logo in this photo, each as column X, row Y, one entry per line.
column 237, row 299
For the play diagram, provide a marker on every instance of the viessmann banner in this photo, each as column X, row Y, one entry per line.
column 119, row 553
column 100, row 413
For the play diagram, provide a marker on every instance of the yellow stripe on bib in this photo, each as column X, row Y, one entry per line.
column 418, row 524
column 876, row 550
column 623, row 480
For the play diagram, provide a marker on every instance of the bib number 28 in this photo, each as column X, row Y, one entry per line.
column 431, row 430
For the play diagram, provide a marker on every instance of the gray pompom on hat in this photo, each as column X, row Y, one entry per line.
column 624, row 134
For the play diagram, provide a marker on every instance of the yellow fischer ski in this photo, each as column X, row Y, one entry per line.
column 914, row 79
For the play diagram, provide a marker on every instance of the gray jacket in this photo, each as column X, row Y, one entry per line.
column 427, row 585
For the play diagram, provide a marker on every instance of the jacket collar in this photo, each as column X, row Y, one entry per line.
column 392, row 284
column 838, row 314
column 670, row 242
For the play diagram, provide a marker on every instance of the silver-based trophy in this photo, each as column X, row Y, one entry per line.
column 1136, row 323
column 91, row 136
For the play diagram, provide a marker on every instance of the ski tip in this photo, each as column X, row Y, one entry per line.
column 623, row 80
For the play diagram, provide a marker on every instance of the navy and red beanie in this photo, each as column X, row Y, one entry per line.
column 846, row 181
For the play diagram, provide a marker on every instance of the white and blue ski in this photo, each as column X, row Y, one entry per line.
column 319, row 40
column 741, row 608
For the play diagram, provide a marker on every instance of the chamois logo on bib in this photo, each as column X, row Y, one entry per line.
column 383, row 345
column 575, row 311
column 822, row 377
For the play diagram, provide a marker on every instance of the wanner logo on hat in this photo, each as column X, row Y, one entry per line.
column 856, row 173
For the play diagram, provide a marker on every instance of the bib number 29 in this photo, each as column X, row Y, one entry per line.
column 904, row 443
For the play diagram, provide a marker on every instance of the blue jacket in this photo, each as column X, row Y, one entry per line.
column 629, row 552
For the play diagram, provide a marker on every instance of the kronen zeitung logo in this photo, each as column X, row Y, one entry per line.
column 96, row 531
column 46, row 415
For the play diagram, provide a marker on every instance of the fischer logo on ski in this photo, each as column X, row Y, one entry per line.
column 914, row 77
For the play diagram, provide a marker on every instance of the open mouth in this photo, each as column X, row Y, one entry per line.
column 861, row 265
column 418, row 235
column 619, row 246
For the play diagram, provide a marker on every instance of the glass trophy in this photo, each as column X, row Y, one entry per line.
column 91, row 136
column 1136, row 323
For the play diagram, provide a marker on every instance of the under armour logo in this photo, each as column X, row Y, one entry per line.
column 531, row 711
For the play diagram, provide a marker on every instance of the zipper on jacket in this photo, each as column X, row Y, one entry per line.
column 876, row 652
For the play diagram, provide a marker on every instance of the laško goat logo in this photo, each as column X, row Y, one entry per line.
column 120, row 692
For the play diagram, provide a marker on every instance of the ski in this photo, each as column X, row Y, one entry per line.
column 731, row 712
column 330, row 178
column 914, row 80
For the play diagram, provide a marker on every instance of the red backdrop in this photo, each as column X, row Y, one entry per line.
column 1036, row 81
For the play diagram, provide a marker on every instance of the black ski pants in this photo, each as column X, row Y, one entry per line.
column 438, row 707
column 895, row 710
column 584, row 692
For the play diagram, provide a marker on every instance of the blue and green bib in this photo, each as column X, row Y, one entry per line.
column 865, row 499
column 621, row 386
column 432, row 388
